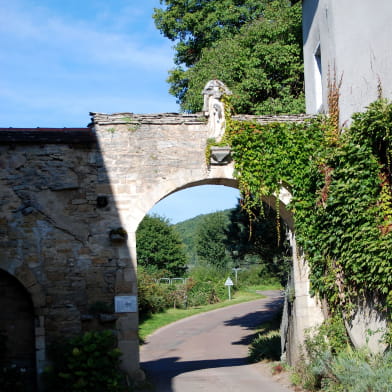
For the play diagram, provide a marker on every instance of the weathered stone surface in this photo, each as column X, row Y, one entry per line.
column 367, row 325
column 54, row 235
column 107, row 318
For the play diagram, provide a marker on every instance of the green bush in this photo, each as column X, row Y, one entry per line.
column 256, row 275
column 360, row 371
column 152, row 297
column 332, row 365
column 207, row 285
column 85, row 363
column 267, row 344
column 331, row 336
column 321, row 345
column 265, row 347
column 203, row 293
column 348, row 371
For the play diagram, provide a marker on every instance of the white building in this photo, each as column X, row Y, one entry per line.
column 349, row 40
column 349, row 43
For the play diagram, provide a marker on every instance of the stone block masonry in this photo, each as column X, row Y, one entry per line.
column 54, row 237
column 64, row 192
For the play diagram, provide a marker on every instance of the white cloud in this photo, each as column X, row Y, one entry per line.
column 35, row 27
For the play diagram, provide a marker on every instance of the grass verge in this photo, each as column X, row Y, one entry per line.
column 158, row 320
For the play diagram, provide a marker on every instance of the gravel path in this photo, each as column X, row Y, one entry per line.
column 208, row 352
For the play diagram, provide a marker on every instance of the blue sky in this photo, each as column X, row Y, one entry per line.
column 61, row 59
column 195, row 201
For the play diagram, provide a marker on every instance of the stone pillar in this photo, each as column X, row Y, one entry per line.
column 128, row 343
column 305, row 310
column 127, row 323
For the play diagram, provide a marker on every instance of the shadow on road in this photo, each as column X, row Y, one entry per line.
column 252, row 321
column 161, row 372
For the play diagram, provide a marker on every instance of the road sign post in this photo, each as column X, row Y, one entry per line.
column 229, row 283
column 236, row 269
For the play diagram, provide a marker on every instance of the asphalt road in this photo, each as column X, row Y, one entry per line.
column 208, row 352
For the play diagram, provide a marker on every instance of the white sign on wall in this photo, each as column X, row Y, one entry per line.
column 125, row 303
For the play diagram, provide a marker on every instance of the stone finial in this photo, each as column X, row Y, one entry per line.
column 213, row 107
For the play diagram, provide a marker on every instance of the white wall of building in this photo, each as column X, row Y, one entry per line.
column 353, row 40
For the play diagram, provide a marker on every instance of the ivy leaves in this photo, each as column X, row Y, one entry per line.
column 342, row 196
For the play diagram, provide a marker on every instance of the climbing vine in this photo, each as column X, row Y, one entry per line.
column 342, row 197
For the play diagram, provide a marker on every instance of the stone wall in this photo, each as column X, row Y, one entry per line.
column 63, row 192
column 54, row 237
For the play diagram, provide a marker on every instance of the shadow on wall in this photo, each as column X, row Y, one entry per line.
column 17, row 343
column 63, row 246
column 308, row 17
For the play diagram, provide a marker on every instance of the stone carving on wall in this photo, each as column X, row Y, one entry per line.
column 213, row 107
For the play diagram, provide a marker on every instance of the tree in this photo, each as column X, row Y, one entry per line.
column 210, row 240
column 259, row 59
column 159, row 246
column 258, row 241
column 197, row 24
column 262, row 66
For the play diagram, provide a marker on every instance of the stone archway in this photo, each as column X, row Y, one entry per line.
column 17, row 328
column 301, row 311
column 145, row 158
column 64, row 191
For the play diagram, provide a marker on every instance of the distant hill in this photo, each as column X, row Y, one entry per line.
column 187, row 231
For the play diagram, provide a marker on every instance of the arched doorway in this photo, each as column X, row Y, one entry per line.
column 17, row 333
column 303, row 311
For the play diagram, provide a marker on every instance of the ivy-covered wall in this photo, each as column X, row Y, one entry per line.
column 342, row 197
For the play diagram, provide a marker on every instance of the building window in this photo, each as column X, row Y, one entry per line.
column 318, row 87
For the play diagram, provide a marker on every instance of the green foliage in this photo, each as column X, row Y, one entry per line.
column 207, row 285
column 197, row 24
column 322, row 344
column 256, row 274
column 253, row 46
column 253, row 238
column 152, row 297
column 262, row 65
column 341, row 195
column 330, row 337
column 360, row 371
column 342, row 198
column 267, row 344
column 159, row 246
column 210, row 240
column 332, row 365
column 187, row 230
column 86, row 363
column 250, row 244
